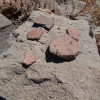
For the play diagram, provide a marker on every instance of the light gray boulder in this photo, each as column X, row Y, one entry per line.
column 50, row 78
column 4, row 22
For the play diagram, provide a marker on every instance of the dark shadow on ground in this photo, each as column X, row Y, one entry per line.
column 91, row 33
column 40, row 25
column 53, row 58
column 1, row 98
column 25, row 66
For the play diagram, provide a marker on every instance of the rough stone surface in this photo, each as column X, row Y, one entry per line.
column 29, row 58
column 57, row 12
column 6, row 28
column 64, row 47
column 44, row 20
column 4, row 22
column 96, row 30
column 74, row 33
column 86, row 17
column 50, row 78
column 34, row 34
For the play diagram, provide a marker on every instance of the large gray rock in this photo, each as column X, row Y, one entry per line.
column 4, row 22
column 50, row 78
column 6, row 28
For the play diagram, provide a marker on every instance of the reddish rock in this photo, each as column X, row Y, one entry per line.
column 29, row 58
column 74, row 33
column 64, row 47
column 45, row 21
column 34, row 34
column 97, row 37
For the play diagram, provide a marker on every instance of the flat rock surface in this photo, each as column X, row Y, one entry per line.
column 6, row 28
column 50, row 78
column 4, row 22
column 64, row 47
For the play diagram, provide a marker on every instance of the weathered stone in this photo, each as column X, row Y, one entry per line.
column 57, row 12
column 45, row 21
column 34, row 34
column 29, row 58
column 6, row 27
column 86, row 17
column 64, row 47
column 57, row 78
column 4, row 22
column 74, row 33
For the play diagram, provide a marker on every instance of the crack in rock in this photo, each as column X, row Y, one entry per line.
column 41, row 80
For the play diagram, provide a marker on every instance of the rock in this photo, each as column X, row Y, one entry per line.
column 15, row 35
column 45, row 21
column 74, row 33
column 34, row 34
column 64, row 47
column 29, row 58
column 4, row 22
column 50, row 78
column 86, row 17
column 6, row 27
column 57, row 12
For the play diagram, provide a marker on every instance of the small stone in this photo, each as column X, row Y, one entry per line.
column 29, row 58
column 64, row 47
column 15, row 35
column 74, row 33
column 45, row 21
column 34, row 34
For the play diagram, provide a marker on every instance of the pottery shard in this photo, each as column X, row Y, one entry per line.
column 45, row 21
column 64, row 47
column 34, row 34
column 74, row 33
column 29, row 58
column 97, row 37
